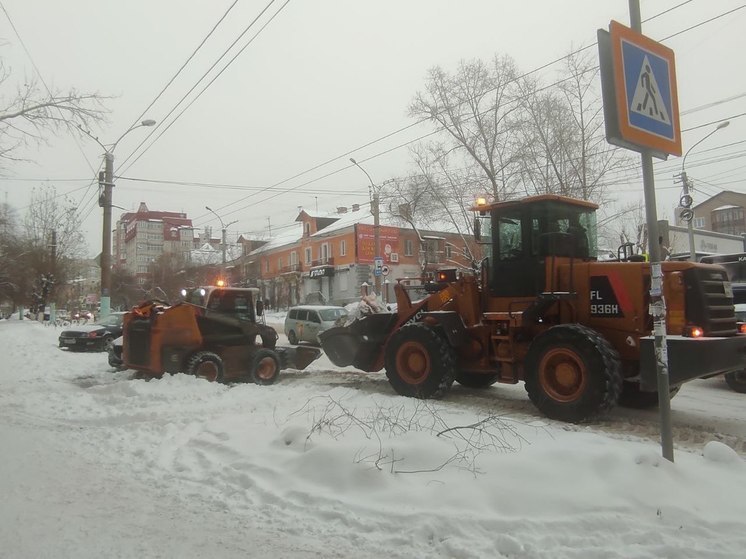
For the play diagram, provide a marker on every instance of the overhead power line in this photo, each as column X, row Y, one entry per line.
column 437, row 130
column 175, row 107
column 191, row 56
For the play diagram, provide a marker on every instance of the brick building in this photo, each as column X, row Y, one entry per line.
column 329, row 258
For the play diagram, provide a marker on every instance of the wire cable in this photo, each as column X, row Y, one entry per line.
column 225, row 52
column 191, row 56
column 439, row 129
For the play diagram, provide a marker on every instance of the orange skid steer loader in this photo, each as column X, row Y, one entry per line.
column 214, row 333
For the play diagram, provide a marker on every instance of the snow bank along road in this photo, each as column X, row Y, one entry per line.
column 95, row 464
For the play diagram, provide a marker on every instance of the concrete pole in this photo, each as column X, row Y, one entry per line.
column 689, row 222
column 687, row 185
column 53, row 268
column 224, row 241
column 377, row 237
column 106, row 245
column 375, row 210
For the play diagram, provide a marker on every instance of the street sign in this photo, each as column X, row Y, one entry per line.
column 645, row 85
column 384, row 270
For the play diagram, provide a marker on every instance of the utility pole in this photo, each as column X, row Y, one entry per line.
column 105, row 201
column 53, row 274
column 106, row 182
column 224, row 242
column 225, row 229
column 687, row 213
column 375, row 210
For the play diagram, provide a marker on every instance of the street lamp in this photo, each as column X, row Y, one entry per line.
column 686, row 199
column 373, row 196
column 107, row 180
column 225, row 227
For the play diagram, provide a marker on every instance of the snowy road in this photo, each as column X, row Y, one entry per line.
column 701, row 410
column 331, row 463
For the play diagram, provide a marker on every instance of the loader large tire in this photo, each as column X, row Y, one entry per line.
column 736, row 381
column 633, row 397
column 206, row 365
column 265, row 367
column 572, row 373
column 420, row 362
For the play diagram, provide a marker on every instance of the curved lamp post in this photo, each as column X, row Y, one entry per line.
column 107, row 180
column 687, row 185
column 224, row 227
column 373, row 195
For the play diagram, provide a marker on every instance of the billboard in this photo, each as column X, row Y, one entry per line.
column 366, row 245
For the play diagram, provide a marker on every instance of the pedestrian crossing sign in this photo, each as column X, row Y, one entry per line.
column 646, row 97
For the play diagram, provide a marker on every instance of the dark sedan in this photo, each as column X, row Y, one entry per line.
column 97, row 336
column 115, row 353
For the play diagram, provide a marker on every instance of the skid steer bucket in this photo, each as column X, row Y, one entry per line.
column 297, row 357
column 358, row 344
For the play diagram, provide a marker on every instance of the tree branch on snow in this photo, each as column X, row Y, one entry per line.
column 382, row 424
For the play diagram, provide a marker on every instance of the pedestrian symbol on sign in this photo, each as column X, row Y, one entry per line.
column 647, row 100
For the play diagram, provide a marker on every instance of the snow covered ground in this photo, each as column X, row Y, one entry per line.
column 331, row 463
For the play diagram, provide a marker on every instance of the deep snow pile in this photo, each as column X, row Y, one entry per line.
column 97, row 463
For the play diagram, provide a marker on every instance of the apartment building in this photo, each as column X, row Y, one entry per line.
column 141, row 238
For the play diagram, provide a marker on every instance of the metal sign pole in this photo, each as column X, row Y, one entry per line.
column 657, row 302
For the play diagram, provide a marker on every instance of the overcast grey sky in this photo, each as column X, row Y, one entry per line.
column 324, row 78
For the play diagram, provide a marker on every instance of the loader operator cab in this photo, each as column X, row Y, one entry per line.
column 229, row 302
column 521, row 237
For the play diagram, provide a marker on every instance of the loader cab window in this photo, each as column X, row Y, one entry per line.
column 514, row 271
column 563, row 230
column 243, row 307
column 510, row 238
column 232, row 303
column 195, row 296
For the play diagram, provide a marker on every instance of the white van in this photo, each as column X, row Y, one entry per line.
column 306, row 322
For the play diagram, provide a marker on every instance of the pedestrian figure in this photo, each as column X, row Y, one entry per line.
column 649, row 93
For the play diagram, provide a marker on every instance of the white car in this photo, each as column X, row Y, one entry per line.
column 305, row 323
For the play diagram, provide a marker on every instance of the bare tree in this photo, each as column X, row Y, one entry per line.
column 437, row 196
column 29, row 112
column 52, row 233
column 165, row 277
column 564, row 138
column 125, row 292
column 475, row 106
column 628, row 225
column 13, row 259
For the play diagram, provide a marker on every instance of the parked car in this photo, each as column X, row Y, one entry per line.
column 115, row 353
column 304, row 323
column 82, row 315
column 96, row 336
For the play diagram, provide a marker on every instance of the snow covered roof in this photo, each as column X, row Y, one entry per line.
column 209, row 255
column 291, row 234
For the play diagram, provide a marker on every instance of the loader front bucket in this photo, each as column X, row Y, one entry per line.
column 360, row 343
column 297, row 357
